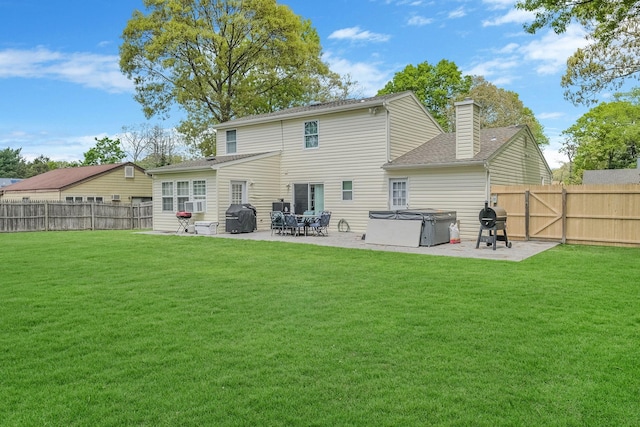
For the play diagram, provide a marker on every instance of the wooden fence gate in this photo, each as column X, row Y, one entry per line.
column 578, row 214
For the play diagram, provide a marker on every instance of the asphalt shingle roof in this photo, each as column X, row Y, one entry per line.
column 441, row 150
column 612, row 176
column 203, row 163
column 60, row 178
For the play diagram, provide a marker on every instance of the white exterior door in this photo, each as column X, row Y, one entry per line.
column 398, row 194
column 238, row 192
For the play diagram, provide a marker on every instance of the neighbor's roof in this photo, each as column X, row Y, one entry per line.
column 441, row 150
column 59, row 179
column 314, row 109
column 612, row 176
column 203, row 164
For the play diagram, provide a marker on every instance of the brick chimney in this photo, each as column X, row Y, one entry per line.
column 467, row 129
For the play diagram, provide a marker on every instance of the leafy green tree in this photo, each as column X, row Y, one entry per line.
column 12, row 164
column 499, row 108
column 612, row 54
column 608, row 135
column 434, row 85
column 106, row 151
column 222, row 59
column 39, row 165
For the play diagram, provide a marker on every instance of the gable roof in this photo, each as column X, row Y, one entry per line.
column 206, row 163
column 441, row 150
column 59, row 179
column 315, row 109
column 612, row 176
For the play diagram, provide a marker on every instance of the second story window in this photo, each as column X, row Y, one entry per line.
column 311, row 134
column 231, row 142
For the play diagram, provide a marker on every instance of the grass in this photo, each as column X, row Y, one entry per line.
column 116, row 328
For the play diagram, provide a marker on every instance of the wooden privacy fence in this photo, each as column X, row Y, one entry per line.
column 58, row 216
column 578, row 214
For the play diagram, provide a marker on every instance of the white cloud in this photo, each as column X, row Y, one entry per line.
column 514, row 16
column 458, row 13
column 554, row 158
column 86, row 69
column 552, row 50
column 369, row 76
column 552, row 115
column 357, row 34
column 419, row 21
column 499, row 4
column 493, row 67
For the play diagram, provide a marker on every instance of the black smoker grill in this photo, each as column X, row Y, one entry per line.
column 241, row 219
column 493, row 219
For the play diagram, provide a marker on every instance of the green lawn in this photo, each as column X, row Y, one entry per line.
column 117, row 328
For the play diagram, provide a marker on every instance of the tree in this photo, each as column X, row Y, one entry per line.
column 12, row 164
column 39, row 165
column 499, row 107
column 435, row 86
column 222, row 59
column 612, row 54
column 106, row 151
column 608, row 135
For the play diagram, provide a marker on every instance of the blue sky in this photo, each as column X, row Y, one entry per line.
column 61, row 87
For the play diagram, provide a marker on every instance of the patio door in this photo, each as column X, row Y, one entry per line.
column 398, row 194
column 308, row 197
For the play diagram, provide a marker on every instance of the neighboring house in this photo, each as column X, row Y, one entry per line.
column 351, row 157
column 612, row 176
column 121, row 182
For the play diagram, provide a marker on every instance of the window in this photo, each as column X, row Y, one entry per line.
column 92, row 199
column 199, row 190
column 311, row 134
column 398, row 193
column 347, row 190
column 231, row 142
column 72, row 199
column 183, row 193
column 238, row 192
column 167, row 197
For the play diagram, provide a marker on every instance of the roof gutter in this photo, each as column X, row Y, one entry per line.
column 437, row 165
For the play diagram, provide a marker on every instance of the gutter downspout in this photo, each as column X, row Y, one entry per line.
column 487, row 181
column 388, row 131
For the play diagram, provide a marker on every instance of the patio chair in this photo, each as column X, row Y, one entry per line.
column 277, row 222
column 291, row 223
column 321, row 225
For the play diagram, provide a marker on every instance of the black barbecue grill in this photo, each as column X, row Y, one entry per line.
column 492, row 219
column 240, row 219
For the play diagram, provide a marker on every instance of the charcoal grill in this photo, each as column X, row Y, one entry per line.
column 492, row 219
column 183, row 221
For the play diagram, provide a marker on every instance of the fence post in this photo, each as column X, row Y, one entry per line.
column 564, row 215
column 93, row 216
column 46, row 215
column 526, row 215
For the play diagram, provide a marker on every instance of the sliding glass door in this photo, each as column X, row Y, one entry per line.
column 308, row 197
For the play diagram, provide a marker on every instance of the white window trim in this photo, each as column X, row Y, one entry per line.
column 406, row 196
column 245, row 196
column 191, row 196
column 342, row 190
column 304, row 134
column 226, row 141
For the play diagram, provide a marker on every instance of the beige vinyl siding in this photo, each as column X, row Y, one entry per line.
column 263, row 187
column 166, row 221
column 32, row 195
column 467, row 130
column 453, row 189
column 113, row 182
column 520, row 162
column 352, row 147
column 259, row 138
column 409, row 126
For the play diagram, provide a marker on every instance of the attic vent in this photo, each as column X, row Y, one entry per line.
column 128, row 171
column 210, row 158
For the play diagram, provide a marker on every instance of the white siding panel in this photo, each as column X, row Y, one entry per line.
column 263, row 187
column 521, row 162
column 410, row 126
column 453, row 189
column 166, row 221
column 260, row 138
